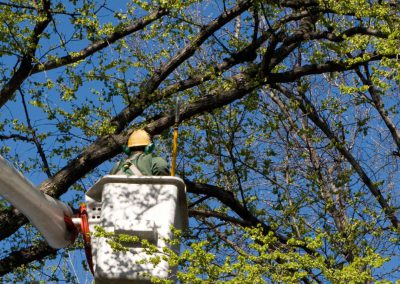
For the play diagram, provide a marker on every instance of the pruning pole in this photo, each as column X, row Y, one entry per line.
column 175, row 139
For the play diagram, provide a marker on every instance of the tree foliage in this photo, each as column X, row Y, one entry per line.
column 289, row 144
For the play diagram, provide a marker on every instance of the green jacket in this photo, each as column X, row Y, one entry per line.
column 148, row 165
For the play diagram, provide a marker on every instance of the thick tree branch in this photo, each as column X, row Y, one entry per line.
column 228, row 199
column 331, row 36
column 298, row 3
column 25, row 256
column 326, row 67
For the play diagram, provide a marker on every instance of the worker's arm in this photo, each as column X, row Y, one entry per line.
column 160, row 167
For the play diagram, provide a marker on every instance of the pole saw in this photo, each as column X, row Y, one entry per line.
column 175, row 138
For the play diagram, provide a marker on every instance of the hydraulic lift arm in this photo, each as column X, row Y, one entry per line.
column 44, row 212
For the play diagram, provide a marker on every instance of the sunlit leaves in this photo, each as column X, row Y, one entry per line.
column 265, row 152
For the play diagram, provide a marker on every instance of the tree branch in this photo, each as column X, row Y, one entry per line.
column 326, row 67
column 25, row 256
column 220, row 216
column 35, row 139
column 16, row 136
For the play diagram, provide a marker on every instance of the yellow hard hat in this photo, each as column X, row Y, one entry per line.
column 139, row 138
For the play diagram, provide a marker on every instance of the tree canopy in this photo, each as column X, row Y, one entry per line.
column 289, row 144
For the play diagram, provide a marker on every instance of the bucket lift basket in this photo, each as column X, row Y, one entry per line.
column 146, row 207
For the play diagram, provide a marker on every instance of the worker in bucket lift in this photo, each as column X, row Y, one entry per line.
column 141, row 161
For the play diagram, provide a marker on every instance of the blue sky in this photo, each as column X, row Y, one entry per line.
column 24, row 151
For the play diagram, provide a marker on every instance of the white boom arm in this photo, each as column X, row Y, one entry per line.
column 43, row 211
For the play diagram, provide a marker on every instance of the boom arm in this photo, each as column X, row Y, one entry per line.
column 44, row 212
